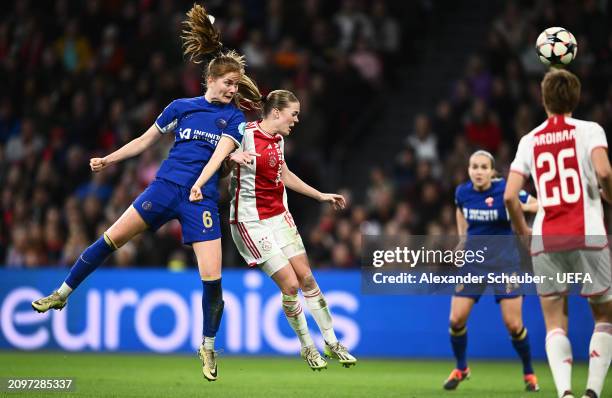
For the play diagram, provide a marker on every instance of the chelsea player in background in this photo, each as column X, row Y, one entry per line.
column 207, row 129
column 481, row 211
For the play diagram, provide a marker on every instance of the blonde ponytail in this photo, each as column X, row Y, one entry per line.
column 200, row 37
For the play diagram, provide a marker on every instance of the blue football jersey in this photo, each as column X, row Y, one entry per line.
column 487, row 217
column 485, row 211
column 198, row 126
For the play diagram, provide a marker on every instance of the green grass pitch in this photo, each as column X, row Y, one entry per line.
column 114, row 375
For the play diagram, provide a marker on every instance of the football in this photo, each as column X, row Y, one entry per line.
column 556, row 47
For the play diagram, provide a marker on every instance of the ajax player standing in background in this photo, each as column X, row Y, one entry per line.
column 567, row 158
column 206, row 129
column 481, row 216
column 263, row 229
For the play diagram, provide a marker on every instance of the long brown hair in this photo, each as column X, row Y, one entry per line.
column 200, row 40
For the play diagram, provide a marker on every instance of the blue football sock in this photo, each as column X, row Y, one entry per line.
column 88, row 261
column 458, row 338
column 212, row 307
column 520, row 342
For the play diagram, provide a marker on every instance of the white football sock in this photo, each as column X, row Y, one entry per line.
column 600, row 353
column 297, row 319
column 320, row 311
column 209, row 343
column 64, row 291
column 559, row 353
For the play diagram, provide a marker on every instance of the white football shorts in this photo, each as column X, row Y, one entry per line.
column 560, row 268
column 269, row 243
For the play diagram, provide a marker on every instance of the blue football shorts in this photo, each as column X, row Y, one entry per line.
column 163, row 201
column 500, row 290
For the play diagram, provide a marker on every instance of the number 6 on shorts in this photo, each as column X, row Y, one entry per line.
column 207, row 219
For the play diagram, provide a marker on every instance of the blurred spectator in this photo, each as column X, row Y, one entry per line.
column 352, row 23
column 73, row 49
column 27, row 142
column 478, row 78
column 18, row 247
column 423, row 141
column 481, row 128
column 367, row 62
column 511, row 25
column 386, row 30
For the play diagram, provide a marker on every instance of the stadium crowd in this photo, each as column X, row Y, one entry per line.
column 491, row 107
column 81, row 79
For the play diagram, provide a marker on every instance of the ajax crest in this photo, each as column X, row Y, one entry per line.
column 272, row 161
column 265, row 244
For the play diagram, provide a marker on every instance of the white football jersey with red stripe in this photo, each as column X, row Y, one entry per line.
column 557, row 154
column 257, row 190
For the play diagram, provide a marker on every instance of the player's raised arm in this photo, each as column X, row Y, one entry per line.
column 132, row 148
column 513, row 204
column 296, row 184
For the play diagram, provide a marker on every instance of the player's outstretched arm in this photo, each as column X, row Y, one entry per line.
column 601, row 163
column 513, row 204
column 132, row 148
column 296, row 184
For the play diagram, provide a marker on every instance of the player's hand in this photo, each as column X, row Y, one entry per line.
column 98, row 164
column 195, row 195
column 244, row 158
column 337, row 201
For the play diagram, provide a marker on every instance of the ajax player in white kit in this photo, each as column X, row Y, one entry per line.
column 568, row 161
column 263, row 229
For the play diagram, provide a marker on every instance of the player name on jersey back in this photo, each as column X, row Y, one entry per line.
column 557, row 154
column 555, row 137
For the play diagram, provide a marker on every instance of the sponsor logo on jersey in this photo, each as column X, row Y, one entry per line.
column 147, row 205
column 480, row 214
column 221, row 123
column 194, row 134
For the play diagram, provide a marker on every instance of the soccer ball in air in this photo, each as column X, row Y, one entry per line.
column 556, row 47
